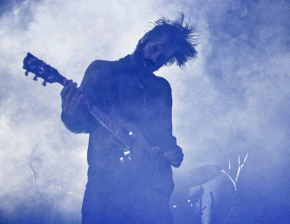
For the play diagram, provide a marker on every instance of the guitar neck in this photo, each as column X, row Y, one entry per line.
column 118, row 131
column 51, row 75
column 115, row 129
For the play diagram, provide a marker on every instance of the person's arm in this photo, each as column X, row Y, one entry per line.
column 74, row 115
column 171, row 151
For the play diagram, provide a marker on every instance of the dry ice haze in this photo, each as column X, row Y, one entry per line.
column 232, row 100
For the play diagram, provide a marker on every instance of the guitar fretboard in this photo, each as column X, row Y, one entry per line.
column 119, row 132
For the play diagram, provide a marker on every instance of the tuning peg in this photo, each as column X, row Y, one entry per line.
column 44, row 83
column 26, row 73
column 35, row 78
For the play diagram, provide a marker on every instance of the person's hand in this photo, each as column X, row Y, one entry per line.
column 71, row 98
column 174, row 156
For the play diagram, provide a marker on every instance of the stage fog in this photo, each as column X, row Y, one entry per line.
column 230, row 105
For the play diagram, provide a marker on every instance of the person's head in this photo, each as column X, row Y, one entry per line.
column 167, row 43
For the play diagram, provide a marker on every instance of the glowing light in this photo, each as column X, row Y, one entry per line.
column 126, row 153
column 174, row 206
column 121, row 159
column 188, row 200
column 238, row 172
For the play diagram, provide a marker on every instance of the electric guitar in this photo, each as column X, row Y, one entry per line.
column 137, row 154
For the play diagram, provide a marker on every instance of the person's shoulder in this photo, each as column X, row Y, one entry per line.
column 163, row 83
column 112, row 66
column 99, row 65
column 100, row 68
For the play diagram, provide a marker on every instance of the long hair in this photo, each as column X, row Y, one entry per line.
column 181, row 37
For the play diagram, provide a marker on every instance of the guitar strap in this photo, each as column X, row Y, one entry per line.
column 142, row 89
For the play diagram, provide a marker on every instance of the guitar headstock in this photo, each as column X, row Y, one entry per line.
column 40, row 69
